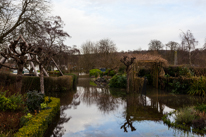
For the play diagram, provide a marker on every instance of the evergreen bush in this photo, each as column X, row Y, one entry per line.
column 118, row 81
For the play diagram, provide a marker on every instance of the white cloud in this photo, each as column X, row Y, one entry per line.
column 131, row 24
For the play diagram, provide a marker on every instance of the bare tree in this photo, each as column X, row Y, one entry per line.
column 18, row 52
column 172, row 45
column 106, row 46
column 155, row 45
column 101, row 54
column 20, row 17
column 44, row 56
column 127, row 61
column 88, row 58
column 107, row 54
column 204, row 46
column 188, row 42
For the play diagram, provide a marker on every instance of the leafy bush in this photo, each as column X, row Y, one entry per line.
column 201, row 107
column 34, row 100
column 95, row 72
column 25, row 119
column 111, row 73
column 118, row 81
column 185, row 115
column 184, row 71
column 198, row 86
column 122, row 69
column 43, row 105
column 37, row 126
column 14, row 102
column 47, row 100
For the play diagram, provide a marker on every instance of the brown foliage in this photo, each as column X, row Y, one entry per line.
column 149, row 57
column 10, row 121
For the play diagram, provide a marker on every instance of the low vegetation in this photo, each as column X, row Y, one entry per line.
column 95, row 72
column 188, row 118
column 17, row 111
column 118, row 81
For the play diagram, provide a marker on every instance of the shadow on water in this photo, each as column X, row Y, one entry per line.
column 93, row 111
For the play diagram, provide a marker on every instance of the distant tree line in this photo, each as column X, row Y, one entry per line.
column 187, row 54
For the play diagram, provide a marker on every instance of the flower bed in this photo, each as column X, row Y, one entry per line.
column 37, row 126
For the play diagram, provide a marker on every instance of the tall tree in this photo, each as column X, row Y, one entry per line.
column 188, row 42
column 18, row 52
column 127, row 61
column 204, row 46
column 21, row 17
column 43, row 58
column 172, row 45
column 155, row 45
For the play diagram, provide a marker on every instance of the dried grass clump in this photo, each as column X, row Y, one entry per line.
column 185, row 115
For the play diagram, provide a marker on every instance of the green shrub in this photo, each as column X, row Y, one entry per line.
column 118, row 81
column 184, row 71
column 111, row 73
column 37, row 126
column 34, row 100
column 43, row 105
column 95, row 72
column 198, row 86
column 122, row 69
column 185, row 115
column 201, row 107
column 14, row 102
column 17, row 99
column 25, row 119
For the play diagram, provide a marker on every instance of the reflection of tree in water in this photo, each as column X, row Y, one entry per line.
column 107, row 103
column 59, row 129
column 138, row 108
column 68, row 100
column 101, row 97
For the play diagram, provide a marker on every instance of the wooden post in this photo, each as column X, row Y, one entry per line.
column 57, row 67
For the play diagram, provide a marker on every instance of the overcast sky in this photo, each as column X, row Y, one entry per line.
column 131, row 24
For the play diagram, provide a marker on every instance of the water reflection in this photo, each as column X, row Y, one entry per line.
column 100, row 97
column 93, row 111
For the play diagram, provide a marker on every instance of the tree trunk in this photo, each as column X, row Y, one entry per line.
column 190, row 58
column 2, row 61
column 127, row 81
column 175, row 57
column 41, row 78
column 19, row 78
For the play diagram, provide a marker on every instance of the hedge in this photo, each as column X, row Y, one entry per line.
column 37, row 126
column 75, row 78
column 176, row 71
column 51, row 84
column 175, row 84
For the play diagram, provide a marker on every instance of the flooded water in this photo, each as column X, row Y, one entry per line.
column 100, row 112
